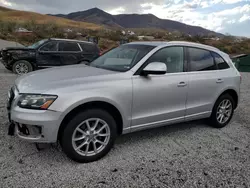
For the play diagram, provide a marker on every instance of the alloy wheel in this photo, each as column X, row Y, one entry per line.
column 224, row 111
column 22, row 68
column 90, row 137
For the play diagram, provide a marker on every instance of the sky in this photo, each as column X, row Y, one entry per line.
column 224, row 16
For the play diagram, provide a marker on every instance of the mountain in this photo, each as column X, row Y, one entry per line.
column 98, row 16
column 17, row 16
column 94, row 15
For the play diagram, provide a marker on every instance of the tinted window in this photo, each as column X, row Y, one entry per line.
column 122, row 58
column 220, row 61
column 200, row 60
column 89, row 48
column 171, row 56
column 49, row 47
column 69, row 47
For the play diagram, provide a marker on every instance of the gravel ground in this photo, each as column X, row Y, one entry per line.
column 183, row 155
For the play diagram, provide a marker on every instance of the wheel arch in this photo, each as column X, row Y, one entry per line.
column 232, row 92
column 110, row 108
column 87, row 60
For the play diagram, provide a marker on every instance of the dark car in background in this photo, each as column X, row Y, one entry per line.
column 49, row 53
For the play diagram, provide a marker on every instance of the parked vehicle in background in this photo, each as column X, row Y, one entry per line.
column 49, row 53
column 133, row 87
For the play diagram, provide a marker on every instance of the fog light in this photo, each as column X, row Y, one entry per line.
column 32, row 130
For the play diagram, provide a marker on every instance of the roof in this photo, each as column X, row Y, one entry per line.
column 182, row 43
column 152, row 43
column 239, row 56
column 71, row 40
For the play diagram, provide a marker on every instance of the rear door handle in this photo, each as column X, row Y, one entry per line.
column 219, row 80
column 182, row 84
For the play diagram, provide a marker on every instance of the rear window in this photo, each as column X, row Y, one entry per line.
column 221, row 63
column 89, row 48
column 69, row 47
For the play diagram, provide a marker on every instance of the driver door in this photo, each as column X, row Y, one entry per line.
column 160, row 99
column 48, row 56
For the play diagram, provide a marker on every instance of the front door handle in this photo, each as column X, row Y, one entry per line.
column 182, row 84
column 219, row 80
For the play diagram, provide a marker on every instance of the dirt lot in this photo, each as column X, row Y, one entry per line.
column 184, row 155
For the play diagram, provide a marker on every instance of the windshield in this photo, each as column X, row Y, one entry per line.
column 122, row 58
column 37, row 44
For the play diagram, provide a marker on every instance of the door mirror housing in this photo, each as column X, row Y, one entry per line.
column 155, row 68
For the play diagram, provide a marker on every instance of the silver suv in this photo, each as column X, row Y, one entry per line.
column 133, row 87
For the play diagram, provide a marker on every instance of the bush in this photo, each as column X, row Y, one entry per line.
column 7, row 27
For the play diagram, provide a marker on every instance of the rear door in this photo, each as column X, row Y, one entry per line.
column 70, row 52
column 90, row 51
column 204, row 83
column 48, row 55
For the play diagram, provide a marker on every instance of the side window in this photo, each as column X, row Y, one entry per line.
column 171, row 56
column 89, row 48
column 221, row 63
column 200, row 60
column 49, row 47
column 69, row 47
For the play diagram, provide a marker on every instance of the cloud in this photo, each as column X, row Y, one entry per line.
column 66, row 6
column 244, row 18
column 235, row 11
column 6, row 3
column 118, row 10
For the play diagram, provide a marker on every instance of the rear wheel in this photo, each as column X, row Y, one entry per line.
column 22, row 67
column 89, row 136
column 223, row 111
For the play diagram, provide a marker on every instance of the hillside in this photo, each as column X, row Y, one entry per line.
column 24, row 16
column 3, row 9
column 98, row 16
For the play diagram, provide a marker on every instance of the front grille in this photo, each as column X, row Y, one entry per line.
column 11, row 96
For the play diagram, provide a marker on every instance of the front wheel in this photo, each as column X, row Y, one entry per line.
column 22, row 67
column 223, row 111
column 89, row 136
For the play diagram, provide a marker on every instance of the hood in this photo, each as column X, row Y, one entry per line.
column 17, row 48
column 60, row 77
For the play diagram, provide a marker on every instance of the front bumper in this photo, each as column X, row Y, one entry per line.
column 40, row 126
column 6, row 63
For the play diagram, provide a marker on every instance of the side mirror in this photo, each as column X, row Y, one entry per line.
column 156, row 68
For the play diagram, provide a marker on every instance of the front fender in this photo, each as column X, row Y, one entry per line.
column 121, row 99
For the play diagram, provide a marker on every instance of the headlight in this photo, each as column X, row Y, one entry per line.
column 39, row 102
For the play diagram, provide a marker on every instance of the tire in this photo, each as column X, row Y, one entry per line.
column 71, row 130
column 24, row 67
column 217, row 111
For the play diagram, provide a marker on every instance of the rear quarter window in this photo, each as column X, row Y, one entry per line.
column 221, row 63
